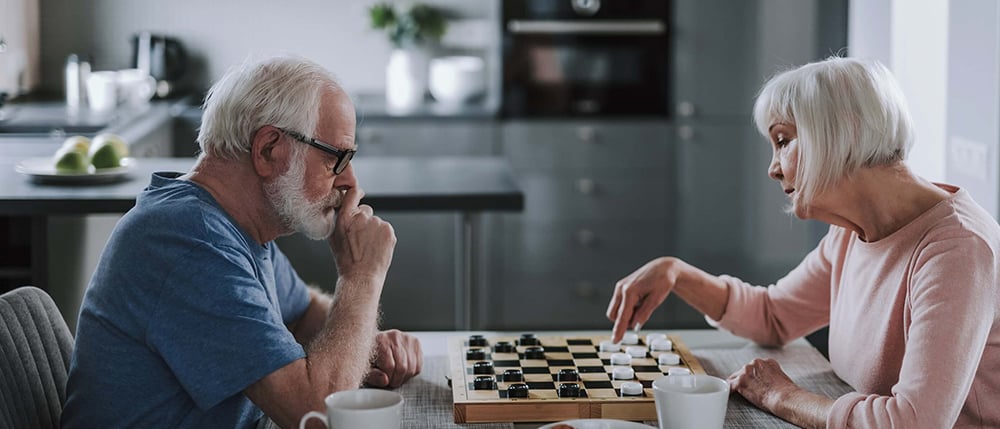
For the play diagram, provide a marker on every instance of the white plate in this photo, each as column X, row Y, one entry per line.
column 598, row 424
column 43, row 170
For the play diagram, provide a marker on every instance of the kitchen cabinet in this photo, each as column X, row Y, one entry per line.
column 419, row 293
column 597, row 205
column 714, row 54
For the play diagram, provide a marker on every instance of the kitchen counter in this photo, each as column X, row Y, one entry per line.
column 467, row 186
column 23, row 129
column 398, row 184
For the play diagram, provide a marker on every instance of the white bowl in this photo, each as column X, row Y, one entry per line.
column 456, row 79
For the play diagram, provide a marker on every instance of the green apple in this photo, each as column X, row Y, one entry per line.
column 105, row 157
column 115, row 141
column 77, row 143
column 68, row 160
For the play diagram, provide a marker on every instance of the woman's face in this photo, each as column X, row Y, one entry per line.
column 785, row 161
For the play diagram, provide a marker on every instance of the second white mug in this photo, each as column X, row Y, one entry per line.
column 360, row 408
column 691, row 401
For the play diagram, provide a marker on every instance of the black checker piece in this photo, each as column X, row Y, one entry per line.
column 560, row 362
column 580, row 342
column 535, row 370
column 585, row 356
column 506, row 363
column 584, row 369
column 598, row 384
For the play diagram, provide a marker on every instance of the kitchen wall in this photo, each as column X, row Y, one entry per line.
column 19, row 59
column 218, row 34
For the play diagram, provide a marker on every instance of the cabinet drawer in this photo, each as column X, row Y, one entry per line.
column 426, row 138
column 574, row 247
column 587, row 145
column 600, row 197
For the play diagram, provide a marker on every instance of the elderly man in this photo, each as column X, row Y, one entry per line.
column 194, row 317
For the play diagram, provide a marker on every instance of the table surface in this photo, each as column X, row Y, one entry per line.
column 390, row 183
column 429, row 398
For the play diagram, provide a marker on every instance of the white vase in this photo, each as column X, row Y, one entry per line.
column 406, row 79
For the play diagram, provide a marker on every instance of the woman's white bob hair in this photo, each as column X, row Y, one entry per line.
column 284, row 91
column 849, row 114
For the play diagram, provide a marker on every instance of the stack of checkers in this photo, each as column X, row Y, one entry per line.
column 549, row 378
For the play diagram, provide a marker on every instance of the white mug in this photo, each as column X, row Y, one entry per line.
column 691, row 401
column 360, row 408
column 135, row 87
column 102, row 90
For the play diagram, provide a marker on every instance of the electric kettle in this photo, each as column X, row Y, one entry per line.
column 163, row 57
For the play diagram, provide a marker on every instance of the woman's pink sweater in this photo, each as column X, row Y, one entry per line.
column 914, row 318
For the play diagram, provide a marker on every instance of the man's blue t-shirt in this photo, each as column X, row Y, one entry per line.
column 184, row 311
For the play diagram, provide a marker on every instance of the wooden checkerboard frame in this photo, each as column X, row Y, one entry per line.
column 602, row 398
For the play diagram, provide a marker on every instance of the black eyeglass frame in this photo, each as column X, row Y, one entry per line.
column 344, row 156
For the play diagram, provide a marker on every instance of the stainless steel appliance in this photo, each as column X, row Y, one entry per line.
column 163, row 57
column 585, row 57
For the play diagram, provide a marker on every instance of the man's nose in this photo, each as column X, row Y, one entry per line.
column 346, row 179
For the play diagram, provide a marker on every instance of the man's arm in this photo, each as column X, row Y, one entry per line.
column 314, row 318
column 339, row 355
column 398, row 355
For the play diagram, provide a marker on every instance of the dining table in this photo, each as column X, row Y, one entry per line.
column 428, row 396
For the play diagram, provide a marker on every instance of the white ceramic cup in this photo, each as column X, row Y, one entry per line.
column 360, row 408
column 102, row 90
column 135, row 86
column 691, row 401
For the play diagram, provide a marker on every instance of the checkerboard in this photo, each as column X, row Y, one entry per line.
column 596, row 394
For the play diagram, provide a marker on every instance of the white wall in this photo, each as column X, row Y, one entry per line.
column 911, row 38
column 974, row 100
column 221, row 33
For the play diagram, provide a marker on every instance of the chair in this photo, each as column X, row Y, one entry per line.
column 35, row 349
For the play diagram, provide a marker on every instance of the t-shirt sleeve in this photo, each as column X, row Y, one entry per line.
column 796, row 305
column 220, row 288
column 293, row 294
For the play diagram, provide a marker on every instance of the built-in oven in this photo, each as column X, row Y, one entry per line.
column 585, row 58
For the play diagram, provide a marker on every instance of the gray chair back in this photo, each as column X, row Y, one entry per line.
column 35, row 350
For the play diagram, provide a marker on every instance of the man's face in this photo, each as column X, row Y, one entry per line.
column 307, row 194
column 312, row 218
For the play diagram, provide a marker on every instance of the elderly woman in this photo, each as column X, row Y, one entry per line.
column 906, row 278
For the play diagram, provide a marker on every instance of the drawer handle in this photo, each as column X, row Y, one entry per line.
column 685, row 109
column 586, row 186
column 685, row 132
column 587, row 134
column 586, row 237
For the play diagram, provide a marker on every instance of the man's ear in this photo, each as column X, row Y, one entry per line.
column 268, row 155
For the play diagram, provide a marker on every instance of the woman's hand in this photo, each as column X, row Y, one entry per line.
column 638, row 294
column 763, row 383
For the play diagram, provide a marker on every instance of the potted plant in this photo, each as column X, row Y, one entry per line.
column 412, row 31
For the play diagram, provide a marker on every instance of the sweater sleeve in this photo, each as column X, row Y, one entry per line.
column 796, row 305
column 950, row 307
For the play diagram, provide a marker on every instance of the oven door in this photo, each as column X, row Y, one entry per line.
column 585, row 67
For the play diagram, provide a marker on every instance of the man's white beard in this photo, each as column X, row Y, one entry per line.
column 297, row 213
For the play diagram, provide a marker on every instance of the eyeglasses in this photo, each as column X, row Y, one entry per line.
column 344, row 156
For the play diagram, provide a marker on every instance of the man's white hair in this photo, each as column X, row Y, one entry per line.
column 282, row 91
column 849, row 114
